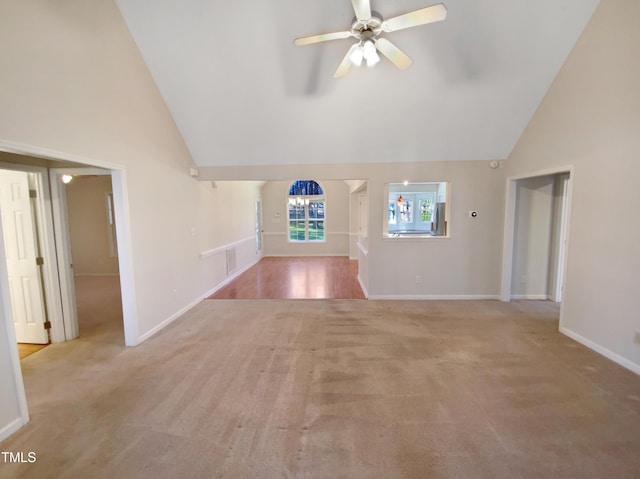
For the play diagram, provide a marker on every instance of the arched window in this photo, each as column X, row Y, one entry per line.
column 306, row 208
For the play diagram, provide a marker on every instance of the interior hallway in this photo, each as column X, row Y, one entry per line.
column 335, row 388
column 99, row 304
column 308, row 277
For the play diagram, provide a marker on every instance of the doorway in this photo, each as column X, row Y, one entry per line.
column 537, row 215
column 559, row 229
column 94, row 254
column 54, row 243
column 43, row 243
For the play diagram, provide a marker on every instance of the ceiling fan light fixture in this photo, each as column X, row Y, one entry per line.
column 357, row 55
column 373, row 60
column 370, row 53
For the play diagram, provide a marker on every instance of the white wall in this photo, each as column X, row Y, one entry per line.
column 89, row 225
column 275, row 195
column 590, row 118
column 532, row 238
column 74, row 85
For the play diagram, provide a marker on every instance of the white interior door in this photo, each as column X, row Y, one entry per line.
column 27, row 303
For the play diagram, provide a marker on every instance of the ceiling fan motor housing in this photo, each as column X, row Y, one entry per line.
column 367, row 29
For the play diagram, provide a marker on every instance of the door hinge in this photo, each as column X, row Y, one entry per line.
column 47, row 325
column 33, row 194
column 39, row 261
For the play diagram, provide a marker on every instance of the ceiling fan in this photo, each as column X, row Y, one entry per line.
column 367, row 27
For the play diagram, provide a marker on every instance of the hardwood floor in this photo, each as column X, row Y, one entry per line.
column 27, row 349
column 326, row 277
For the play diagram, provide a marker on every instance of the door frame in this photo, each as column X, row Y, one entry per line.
column 259, row 226
column 509, row 228
column 562, row 239
column 52, row 299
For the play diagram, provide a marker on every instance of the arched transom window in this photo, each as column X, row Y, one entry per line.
column 306, row 208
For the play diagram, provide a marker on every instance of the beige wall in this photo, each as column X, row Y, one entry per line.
column 275, row 195
column 590, row 118
column 89, row 225
column 467, row 264
column 75, row 83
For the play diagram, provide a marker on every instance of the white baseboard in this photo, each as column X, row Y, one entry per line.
column 167, row 321
column 364, row 290
column 431, row 297
column 616, row 358
column 536, row 297
column 191, row 305
column 12, row 427
column 345, row 255
column 80, row 275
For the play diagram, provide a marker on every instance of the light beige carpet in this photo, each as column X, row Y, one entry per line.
column 329, row 389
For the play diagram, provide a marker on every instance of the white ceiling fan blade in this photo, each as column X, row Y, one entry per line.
column 431, row 14
column 362, row 9
column 393, row 53
column 325, row 37
column 345, row 66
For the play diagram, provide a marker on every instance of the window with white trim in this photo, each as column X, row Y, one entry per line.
column 306, row 211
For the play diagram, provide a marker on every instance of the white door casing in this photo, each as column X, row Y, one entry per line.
column 259, row 226
column 27, row 302
column 562, row 249
column 363, row 216
column 509, row 229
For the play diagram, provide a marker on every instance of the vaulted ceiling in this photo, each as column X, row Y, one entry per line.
column 242, row 93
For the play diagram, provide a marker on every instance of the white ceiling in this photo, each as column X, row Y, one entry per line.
column 242, row 93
